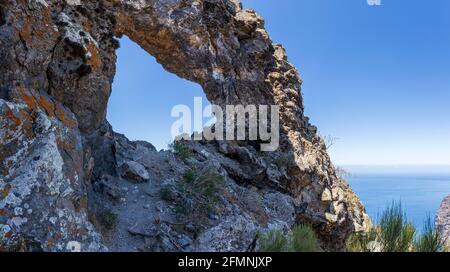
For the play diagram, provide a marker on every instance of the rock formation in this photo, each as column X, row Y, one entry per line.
column 63, row 170
column 443, row 219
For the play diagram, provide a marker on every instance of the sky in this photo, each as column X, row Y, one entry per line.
column 376, row 79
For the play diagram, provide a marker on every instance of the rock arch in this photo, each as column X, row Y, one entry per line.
column 60, row 59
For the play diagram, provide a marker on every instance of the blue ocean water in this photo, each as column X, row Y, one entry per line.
column 420, row 194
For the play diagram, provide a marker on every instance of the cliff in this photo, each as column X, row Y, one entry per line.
column 68, row 182
column 443, row 219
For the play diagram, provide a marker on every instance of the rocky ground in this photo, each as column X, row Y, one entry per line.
column 155, row 204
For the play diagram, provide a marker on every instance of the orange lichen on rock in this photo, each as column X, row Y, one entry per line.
column 11, row 116
column 27, row 98
column 95, row 60
column 27, row 123
column 63, row 117
column 35, row 30
column 48, row 105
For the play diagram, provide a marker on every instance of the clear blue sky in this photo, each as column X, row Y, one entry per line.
column 375, row 78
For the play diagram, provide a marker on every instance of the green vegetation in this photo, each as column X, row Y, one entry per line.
column 196, row 195
column 430, row 240
column 108, row 218
column 274, row 241
column 167, row 193
column 393, row 233
column 180, row 150
column 302, row 239
column 202, row 188
column 282, row 161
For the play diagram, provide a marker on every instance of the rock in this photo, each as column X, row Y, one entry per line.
column 443, row 219
column 134, row 171
column 56, row 73
column 41, row 198
column 326, row 196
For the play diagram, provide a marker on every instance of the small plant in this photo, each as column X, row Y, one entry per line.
column 190, row 176
column 282, row 161
column 302, row 239
column 202, row 188
column 393, row 233
column 198, row 195
column 167, row 193
column 180, row 150
column 396, row 234
column 431, row 240
column 108, row 219
column 274, row 241
column 363, row 242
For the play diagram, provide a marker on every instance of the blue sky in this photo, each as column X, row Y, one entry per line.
column 375, row 78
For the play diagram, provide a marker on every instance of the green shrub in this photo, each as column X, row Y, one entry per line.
column 167, row 193
column 431, row 240
column 282, row 161
column 274, row 241
column 396, row 234
column 180, row 150
column 108, row 218
column 302, row 239
column 190, row 176
column 362, row 242
column 393, row 233
column 202, row 187
column 198, row 195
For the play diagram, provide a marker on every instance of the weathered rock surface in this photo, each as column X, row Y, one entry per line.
column 57, row 67
column 132, row 170
column 443, row 219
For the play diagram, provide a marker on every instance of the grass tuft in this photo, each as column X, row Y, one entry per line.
column 431, row 240
column 274, row 241
column 180, row 150
column 108, row 219
column 304, row 239
column 393, row 233
column 301, row 239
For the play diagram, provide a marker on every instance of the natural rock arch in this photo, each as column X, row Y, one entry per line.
column 60, row 59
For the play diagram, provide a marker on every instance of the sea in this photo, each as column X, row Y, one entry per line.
column 420, row 190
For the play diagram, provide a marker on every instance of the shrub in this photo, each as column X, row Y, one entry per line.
column 202, row 187
column 282, row 161
column 431, row 240
column 198, row 195
column 180, row 150
column 393, row 233
column 108, row 219
column 302, row 239
column 274, row 241
column 363, row 242
column 167, row 193
column 396, row 234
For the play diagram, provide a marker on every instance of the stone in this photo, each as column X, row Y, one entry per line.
column 134, row 171
column 326, row 196
column 443, row 220
column 56, row 73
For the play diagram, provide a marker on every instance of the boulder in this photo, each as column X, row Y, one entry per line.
column 134, row 171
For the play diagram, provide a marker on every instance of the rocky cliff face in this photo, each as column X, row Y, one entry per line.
column 443, row 219
column 65, row 175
